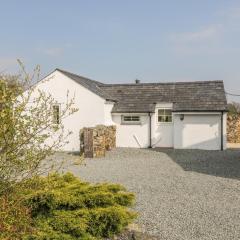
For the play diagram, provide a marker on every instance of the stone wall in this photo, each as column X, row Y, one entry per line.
column 97, row 140
column 233, row 128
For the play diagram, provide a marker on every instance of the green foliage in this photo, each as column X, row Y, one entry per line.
column 63, row 207
column 15, row 218
column 234, row 108
column 54, row 207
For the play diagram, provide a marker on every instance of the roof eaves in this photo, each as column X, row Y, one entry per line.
column 200, row 110
column 132, row 111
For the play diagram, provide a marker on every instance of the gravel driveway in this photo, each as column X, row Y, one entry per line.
column 181, row 194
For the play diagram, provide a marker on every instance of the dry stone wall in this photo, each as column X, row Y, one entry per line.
column 97, row 140
column 233, row 128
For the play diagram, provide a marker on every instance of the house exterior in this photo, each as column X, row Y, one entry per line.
column 181, row 115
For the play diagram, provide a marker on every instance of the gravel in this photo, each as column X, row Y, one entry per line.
column 181, row 194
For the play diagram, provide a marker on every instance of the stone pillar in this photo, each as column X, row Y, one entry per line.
column 94, row 142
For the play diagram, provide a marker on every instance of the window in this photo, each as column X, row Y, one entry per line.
column 164, row 115
column 56, row 114
column 128, row 119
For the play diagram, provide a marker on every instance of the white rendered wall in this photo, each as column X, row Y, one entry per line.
column 199, row 131
column 108, row 113
column 91, row 107
column 135, row 136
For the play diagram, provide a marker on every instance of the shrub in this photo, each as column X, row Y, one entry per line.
column 15, row 218
column 63, row 207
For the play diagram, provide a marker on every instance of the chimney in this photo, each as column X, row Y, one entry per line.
column 137, row 81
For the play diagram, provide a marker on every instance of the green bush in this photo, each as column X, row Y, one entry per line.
column 65, row 208
column 15, row 218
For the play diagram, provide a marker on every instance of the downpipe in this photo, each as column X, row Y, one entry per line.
column 150, row 130
column 222, row 131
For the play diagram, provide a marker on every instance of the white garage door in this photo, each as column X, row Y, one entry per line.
column 198, row 132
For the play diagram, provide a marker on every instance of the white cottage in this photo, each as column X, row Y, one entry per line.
column 181, row 115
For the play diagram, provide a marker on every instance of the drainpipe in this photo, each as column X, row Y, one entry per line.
column 222, row 131
column 150, row 130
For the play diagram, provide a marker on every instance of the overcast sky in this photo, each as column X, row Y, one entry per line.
column 118, row 41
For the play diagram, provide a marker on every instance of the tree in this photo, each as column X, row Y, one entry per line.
column 234, row 108
column 26, row 127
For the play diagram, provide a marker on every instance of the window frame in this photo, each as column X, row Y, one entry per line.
column 57, row 123
column 130, row 122
column 164, row 115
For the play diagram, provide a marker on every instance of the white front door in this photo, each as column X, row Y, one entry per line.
column 163, row 127
column 163, row 135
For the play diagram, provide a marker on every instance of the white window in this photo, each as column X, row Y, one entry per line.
column 164, row 115
column 56, row 114
column 130, row 119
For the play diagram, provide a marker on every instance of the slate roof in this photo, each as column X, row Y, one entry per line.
column 142, row 97
column 90, row 84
